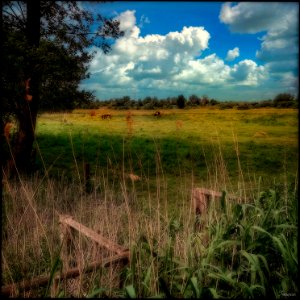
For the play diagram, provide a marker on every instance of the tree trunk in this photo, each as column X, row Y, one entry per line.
column 2, row 137
column 28, row 107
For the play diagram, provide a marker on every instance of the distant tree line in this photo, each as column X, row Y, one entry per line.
column 283, row 100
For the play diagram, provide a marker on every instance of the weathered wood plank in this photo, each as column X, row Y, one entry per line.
column 26, row 285
column 200, row 198
column 111, row 246
column 208, row 192
column 214, row 193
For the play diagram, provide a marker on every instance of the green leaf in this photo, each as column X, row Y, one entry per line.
column 130, row 291
column 263, row 259
column 96, row 292
column 258, row 287
column 238, row 212
column 226, row 277
column 57, row 263
column 194, row 284
column 227, row 244
column 254, row 266
column 214, row 293
column 258, row 228
column 147, row 277
column 286, row 226
column 223, row 202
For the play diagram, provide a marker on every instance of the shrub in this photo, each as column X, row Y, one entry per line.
column 243, row 106
column 181, row 101
column 285, row 100
column 227, row 105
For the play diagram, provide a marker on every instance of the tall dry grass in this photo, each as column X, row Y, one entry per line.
column 245, row 249
column 30, row 222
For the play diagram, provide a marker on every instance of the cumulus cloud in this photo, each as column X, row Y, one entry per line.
column 172, row 62
column 232, row 54
column 247, row 17
column 278, row 20
column 210, row 70
column 127, row 24
column 247, row 72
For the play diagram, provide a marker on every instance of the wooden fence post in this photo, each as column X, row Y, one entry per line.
column 200, row 199
column 67, row 238
column 200, row 202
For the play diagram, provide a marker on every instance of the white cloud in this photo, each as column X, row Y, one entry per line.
column 209, row 70
column 232, row 54
column 247, row 72
column 166, row 64
column 249, row 17
column 127, row 24
column 279, row 21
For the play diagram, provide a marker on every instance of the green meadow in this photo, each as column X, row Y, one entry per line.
column 142, row 172
column 251, row 143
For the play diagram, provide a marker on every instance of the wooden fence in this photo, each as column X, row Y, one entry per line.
column 201, row 196
column 119, row 255
column 200, row 199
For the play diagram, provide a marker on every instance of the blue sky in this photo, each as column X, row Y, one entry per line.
column 227, row 51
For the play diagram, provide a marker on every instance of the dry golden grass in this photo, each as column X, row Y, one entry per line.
column 281, row 125
column 31, row 233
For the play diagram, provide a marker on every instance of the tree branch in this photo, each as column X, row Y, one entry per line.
column 22, row 12
column 15, row 14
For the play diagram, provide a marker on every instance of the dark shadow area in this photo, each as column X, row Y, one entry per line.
column 172, row 156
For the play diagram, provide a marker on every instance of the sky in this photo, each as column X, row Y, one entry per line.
column 239, row 51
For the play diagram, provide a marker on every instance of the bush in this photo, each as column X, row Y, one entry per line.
column 285, row 100
column 243, row 106
column 181, row 101
column 213, row 102
column 227, row 105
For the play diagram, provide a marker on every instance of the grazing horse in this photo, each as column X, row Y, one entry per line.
column 157, row 114
column 107, row 116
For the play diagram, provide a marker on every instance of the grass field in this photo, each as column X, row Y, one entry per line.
column 143, row 169
column 261, row 142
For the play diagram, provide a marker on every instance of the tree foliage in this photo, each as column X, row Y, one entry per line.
column 193, row 102
column 181, row 101
column 45, row 56
column 284, row 100
column 66, row 32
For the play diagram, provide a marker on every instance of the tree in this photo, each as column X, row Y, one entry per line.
column 26, row 109
column 213, row 102
column 204, row 100
column 194, row 100
column 181, row 101
column 45, row 54
column 285, row 100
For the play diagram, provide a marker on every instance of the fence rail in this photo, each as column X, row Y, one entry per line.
column 120, row 255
